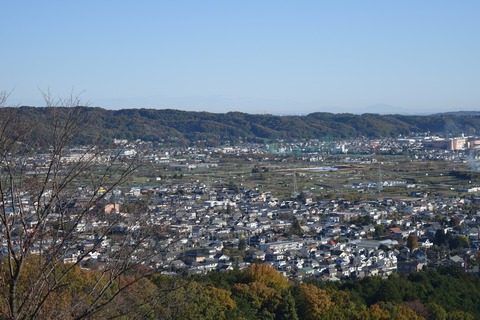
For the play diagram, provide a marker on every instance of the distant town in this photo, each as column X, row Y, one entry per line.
column 211, row 209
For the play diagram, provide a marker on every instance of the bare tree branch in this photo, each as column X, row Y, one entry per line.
column 48, row 201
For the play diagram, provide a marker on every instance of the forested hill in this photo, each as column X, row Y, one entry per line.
column 186, row 126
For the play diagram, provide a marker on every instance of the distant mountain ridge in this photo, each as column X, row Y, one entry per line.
column 460, row 113
column 185, row 127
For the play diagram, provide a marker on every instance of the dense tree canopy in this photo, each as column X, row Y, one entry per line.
column 261, row 293
column 182, row 127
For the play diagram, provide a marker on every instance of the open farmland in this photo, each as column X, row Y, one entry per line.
column 286, row 176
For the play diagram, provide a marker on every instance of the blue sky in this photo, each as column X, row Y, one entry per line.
column 277, row 57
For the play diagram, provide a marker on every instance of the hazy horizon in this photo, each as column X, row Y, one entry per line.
column 255, row 57
column 362, row 111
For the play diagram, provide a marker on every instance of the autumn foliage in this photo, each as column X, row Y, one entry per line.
column 260, row 292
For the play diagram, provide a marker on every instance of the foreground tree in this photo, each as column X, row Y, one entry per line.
column 51, row 201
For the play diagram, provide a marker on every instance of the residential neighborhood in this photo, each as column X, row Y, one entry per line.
column 196, row 226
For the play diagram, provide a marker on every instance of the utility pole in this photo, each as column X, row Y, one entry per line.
column 295, row 187
column 380, row 183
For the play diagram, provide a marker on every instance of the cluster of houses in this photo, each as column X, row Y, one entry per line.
column 198, row 229
column 339, row 239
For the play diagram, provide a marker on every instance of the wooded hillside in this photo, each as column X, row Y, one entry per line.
column 261, row 293
column 183, row 127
